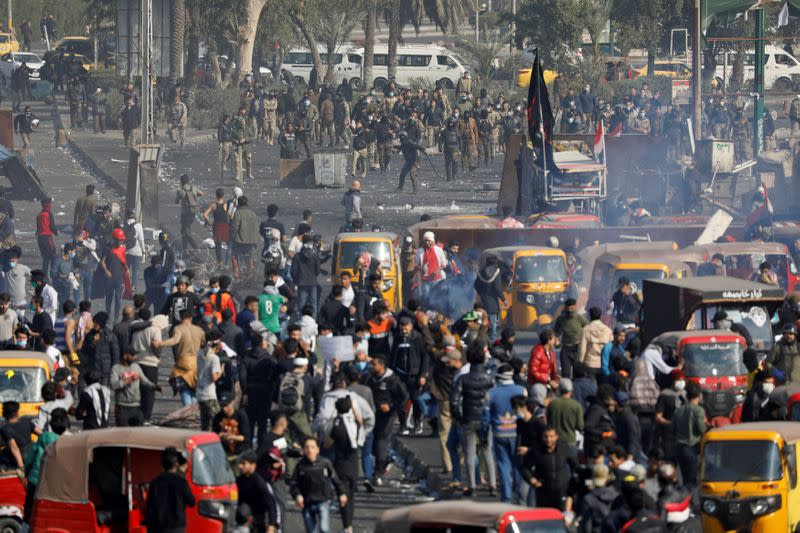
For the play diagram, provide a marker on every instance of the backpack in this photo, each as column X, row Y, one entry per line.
column 130, row 236
column 190, row 200
column 291, row 392
column 272, row 254
column 644, row 390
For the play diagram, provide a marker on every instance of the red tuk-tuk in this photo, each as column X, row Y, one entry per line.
column 475, row 517
column 711, row 358
column 743, row 258
column 12, row 500
column 97, row 481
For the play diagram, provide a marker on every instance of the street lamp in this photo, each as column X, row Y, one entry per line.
column 479, row 8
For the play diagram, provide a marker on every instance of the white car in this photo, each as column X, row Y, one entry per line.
column 13, row 60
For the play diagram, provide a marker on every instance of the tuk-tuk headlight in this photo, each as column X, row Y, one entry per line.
column 739, row 397
column 530, row 299
column 766, row 505
column 710, row 507
column 388, row 284
column 217, row 509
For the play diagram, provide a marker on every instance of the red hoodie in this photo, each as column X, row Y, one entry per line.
column 542, row 366
column 45, row 223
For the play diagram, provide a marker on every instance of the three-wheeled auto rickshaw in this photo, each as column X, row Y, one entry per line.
column 475, row 517
column 748, row 478
column 536, row 283
column 742, row 259
column 348, row 248
column 713, row 359
column 691, row 303
column 22, row 375
column 97, row 481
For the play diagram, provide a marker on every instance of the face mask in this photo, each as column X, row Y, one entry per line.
column 520, row 416
column 72, row 255
column 361, row 365
column 22, row 343
column 767, row 388
column 214, row 290
column 366, row 337
column 455, row 115
column 679, row 385
column 12, row 264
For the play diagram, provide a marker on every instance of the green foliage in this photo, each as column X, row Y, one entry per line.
column 554, row 26
column 210, row 104
column 482, row 55
column 70, row 15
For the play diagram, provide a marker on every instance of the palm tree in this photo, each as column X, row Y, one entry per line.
column 481, row 56
column 370, row 22
column 176, row 40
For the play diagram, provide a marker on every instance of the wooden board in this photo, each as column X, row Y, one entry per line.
column 509, row 185
column 296, row 173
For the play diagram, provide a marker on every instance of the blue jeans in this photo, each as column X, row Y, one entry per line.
column 187, row 396
column 307, row 295
column 317, row 517
column 134, row 265
column 114, row 298
column 453, row 441
column 87, row 278
column 366, row 456
column 504, row 449
column 493, row 321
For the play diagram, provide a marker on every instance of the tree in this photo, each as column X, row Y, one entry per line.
column 647, row 25
column 595, row 15
column 370, row 22
column 482, row 56
column 335, row 21
column 246, row 37
column 554, row 26
column 297, row 14
column 176, row 40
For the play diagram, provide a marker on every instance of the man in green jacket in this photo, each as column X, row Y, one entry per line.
column 565, row 414
column 59, row 423
column 244, row 236
column 243, row 141
column 568, row 328
column 688, row 426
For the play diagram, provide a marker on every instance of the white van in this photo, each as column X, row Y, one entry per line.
column 431, row 63
column 300, row 61
column 779, row 67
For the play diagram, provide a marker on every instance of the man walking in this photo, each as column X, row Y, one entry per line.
column 225, row 139
column 410, row 150
column 23, row 124
column 186, row 196
column 127, row 378
column 178, row 120
column 568, row 327
column 390, row 398
column 131, row 119
column 168, row 496
column 688, row 426
column 503, row 422
column 351, row 200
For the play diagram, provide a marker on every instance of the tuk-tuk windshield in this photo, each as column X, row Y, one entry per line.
column 210, row 466
column 540, row 268
column 713, row 359
column 351, row 250
column 538, row 526
column 741, row 460
column 754, row 318
column 638, row 276
column 21, row 384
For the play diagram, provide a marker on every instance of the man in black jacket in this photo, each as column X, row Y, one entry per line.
column 489, row 286
column 550, row 471
column 168, row 496
column 410, row 150
column 311, row 487
column 100, row 348
column 390, row 397
column 468, row 399
column 409, row 360
column 333, row 313
column 305, row 270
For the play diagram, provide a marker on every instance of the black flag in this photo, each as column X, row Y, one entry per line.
column 540, row 114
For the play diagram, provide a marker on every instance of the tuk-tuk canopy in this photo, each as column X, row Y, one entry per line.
column 789, row 431
column 455, row 512
column 675, row 338
column 65, row 473
column 366, row 236
column 669, row 303
column 739, row 248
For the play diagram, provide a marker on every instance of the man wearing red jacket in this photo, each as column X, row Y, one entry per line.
column 542, row 365
column 45, row 230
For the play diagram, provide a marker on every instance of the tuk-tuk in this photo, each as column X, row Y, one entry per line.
column 691, row 303
column 97, row 481
column 536, row 282
column 635, row 265
column 476, row 517
column 22, row 375
column 381, row 246
column 743, row 258
column 554, row 220
column 748, row 478
column 713, row 359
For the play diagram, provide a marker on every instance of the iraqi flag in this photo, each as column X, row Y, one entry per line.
column 540, row 114
column 600, row 143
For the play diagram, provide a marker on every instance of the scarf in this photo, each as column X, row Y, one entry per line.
column 119, row 253
column 430, row 263
column 101, row 408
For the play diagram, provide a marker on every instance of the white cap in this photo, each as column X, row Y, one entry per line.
column 428, row 236
column 300, row 361
column 237, row 192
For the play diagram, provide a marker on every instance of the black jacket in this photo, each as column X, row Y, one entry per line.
column 101, row 354
column 553, row 470
column 310, row 480
column 387, row 389
column 168, row 496
column 335, row 315
column 489, row 286
column 258, row 374
column 409, row 357
column 470, row 394
column 305, row 267
column 596, row 423
column 595, row 506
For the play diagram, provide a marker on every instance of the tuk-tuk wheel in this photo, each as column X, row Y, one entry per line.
column 10, row 525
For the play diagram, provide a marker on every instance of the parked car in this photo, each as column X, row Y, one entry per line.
column 8, row 43
column 13, row 60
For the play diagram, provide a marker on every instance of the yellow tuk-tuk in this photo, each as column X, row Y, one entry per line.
column 22, row 375
column 348, row 248
column 748, row 478
column 536, row 281
column 634, row 265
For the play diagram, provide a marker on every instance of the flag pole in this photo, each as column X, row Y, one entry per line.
column 540, row 78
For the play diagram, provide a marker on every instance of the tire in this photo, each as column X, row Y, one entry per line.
column 357, row 84
column 10, row 525
column 447, row 83
column 380, row 84
column 782, row 85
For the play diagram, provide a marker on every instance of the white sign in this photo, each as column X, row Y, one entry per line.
column 340, row 347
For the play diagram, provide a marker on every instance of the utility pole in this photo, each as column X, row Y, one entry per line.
column 477, row 21
column 758, row 85
column 513, row 26
column 145, row 67
column 10, row 17
column 697, row 71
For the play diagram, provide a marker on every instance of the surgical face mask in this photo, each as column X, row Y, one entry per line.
column 22, row 343
column 214, row 290
column 366, row 337
column 12, row 264
column 455, row 115
column 362, row 365
column 679, row 385
column 767, row 388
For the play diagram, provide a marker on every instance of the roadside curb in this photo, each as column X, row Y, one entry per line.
column 91, row 166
